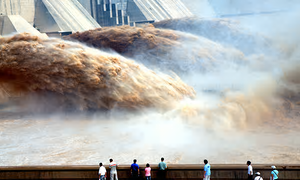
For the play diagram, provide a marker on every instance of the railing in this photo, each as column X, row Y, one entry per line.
column 174, row 172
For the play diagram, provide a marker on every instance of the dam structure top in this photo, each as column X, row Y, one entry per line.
column 130, row 12
column 60, row 16
column 49, row 15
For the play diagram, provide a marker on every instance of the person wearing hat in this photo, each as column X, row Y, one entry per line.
column 258, row 177
column 274, row 173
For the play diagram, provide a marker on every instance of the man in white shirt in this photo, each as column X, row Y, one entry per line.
column 102, row 172
column 250, row 171
column 258, row 177
column 113, row 169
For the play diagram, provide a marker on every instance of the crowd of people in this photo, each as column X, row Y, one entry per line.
column 274, row 173
column 162, row 166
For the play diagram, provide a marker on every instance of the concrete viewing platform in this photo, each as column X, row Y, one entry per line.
column 174, row 172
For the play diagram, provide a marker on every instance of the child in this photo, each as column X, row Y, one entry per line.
column 148, row 172
column 102, row 172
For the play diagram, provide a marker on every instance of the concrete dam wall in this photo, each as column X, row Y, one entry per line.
column 67, row 15
column 47, row 15
column 175, row 171
column 24, row 8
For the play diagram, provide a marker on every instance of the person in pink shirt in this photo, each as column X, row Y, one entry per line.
column 148, row 172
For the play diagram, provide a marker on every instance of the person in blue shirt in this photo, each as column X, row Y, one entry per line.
column 162, row 167
column 207, row 173
column 274, row 173
column 135, row 170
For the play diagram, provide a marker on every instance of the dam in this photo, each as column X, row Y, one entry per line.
column 85, row 81
column 50, row 16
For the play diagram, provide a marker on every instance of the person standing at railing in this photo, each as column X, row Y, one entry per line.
column 162, row 166
column 274, row 173
column 113, row 170
column 102, row 172
column 258, row 177
column 135, row 170
column 207, row 173
column 148, row 172
column 250, row 170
